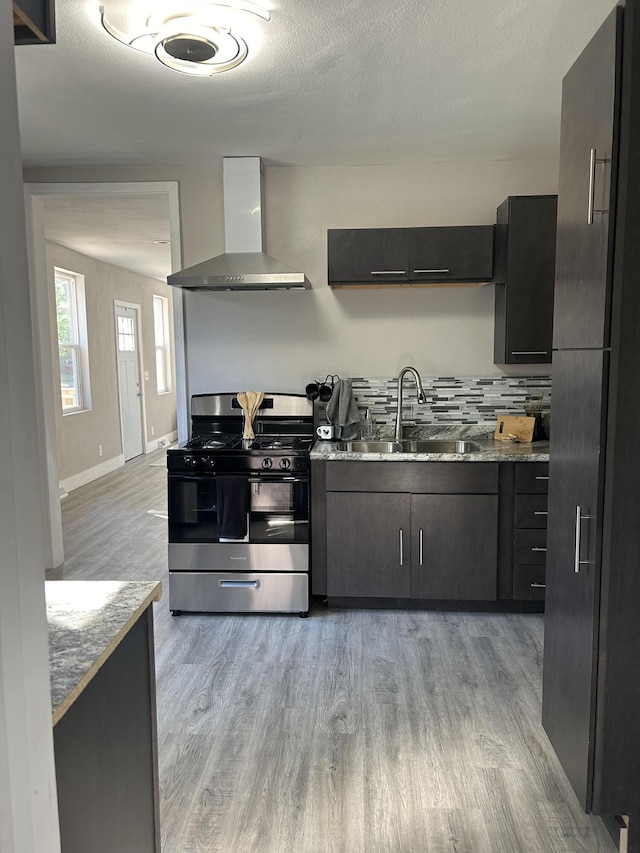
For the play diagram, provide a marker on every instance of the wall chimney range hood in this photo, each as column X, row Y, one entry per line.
column 244, row 265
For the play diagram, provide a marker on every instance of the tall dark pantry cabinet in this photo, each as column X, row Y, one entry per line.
column 591, row 695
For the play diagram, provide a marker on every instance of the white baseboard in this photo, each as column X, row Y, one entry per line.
column 163, row 441
column 91, row 474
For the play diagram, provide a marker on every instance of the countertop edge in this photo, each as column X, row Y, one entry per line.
column 70, row 698
column 491, row 452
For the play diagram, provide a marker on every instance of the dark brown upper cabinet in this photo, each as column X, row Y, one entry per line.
column 414, row 257
column 456, row 254
column 34, row 22
column 525, row 252
column 368, row 255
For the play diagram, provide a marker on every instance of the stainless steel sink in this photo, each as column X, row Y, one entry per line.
column 435, row 445
column 371, row 446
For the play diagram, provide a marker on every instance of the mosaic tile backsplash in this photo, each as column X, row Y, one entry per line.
column 451, row 400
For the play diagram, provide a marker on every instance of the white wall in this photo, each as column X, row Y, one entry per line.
column 28, row 807
column 79, row 434
column 278, row 341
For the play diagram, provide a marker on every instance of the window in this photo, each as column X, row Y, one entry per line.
column 126, row 334
column 71, row 321
column 161, row 334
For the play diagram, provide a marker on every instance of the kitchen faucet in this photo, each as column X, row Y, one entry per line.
column 421, row 397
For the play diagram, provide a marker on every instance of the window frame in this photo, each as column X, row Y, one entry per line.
column 79, row 344
column 162, row 351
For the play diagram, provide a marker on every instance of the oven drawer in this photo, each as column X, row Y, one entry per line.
column 239, row 592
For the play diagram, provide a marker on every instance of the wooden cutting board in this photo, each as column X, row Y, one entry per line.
column 521, row 427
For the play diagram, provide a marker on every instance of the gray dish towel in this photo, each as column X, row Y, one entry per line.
column 342, row 411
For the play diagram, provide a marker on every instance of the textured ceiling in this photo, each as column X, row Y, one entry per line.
column 119, row 231
column 334, row 82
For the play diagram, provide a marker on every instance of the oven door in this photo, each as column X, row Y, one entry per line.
column 278, row 509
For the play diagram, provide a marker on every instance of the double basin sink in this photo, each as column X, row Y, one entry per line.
column 435, row 445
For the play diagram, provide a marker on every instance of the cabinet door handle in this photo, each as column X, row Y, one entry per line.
column 538, row 549
column 592, row 187
column 401, row 547
column 538, row 585
column 427, row 272
column 542, row 478
column 420, row 546
column 577, row 561
column 530, row 352
column 388, row 272
column 593, row 159
column 541, row 512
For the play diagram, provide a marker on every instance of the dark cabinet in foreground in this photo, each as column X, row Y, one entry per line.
column 591, row 689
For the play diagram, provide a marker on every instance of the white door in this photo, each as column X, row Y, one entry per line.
column 130, row 390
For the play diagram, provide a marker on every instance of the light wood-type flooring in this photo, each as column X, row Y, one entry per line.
column 351, row 731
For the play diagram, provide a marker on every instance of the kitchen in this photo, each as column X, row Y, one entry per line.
column 371, row 320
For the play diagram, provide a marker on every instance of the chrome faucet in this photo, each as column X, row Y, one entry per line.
column 421, row 397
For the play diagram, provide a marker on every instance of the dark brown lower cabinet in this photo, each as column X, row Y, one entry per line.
column 421, row 546
column 368, row 554
column 455, row 545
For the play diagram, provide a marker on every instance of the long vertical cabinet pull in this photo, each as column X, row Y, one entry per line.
column 421, row 546
column 593, row 159
column 579, row 519
column 401, row 547
column 592, row 189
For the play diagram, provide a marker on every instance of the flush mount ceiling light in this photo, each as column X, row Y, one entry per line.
column 196, row 39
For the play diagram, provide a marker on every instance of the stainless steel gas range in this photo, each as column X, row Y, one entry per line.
column 239, row 509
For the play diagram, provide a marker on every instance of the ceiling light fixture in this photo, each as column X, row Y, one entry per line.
column 196, row 39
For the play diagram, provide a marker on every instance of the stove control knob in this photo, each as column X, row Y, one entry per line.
column 267, row 462
column 190, row 462
column 209, row 462
column 285, row 463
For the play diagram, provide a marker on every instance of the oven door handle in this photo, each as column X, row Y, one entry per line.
column 274, row 478
column 268, row 478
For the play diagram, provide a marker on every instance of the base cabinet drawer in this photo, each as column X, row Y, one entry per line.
column 530, row 547
column 532, row 478
column 528, row 583
column 531, row 510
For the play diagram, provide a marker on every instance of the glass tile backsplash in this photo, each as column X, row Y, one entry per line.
column 451, row 400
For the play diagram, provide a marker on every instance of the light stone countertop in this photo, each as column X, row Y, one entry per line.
column 87, row 620
column 492, row 451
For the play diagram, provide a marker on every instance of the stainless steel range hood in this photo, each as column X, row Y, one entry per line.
column 244, row 265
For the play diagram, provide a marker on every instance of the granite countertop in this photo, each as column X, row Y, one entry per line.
column 87, row 620
column 492, row 451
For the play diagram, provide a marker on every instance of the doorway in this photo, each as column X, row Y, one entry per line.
column 37, row 196
column 128, row 357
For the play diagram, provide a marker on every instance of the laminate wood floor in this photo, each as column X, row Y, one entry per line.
column 348, row 732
